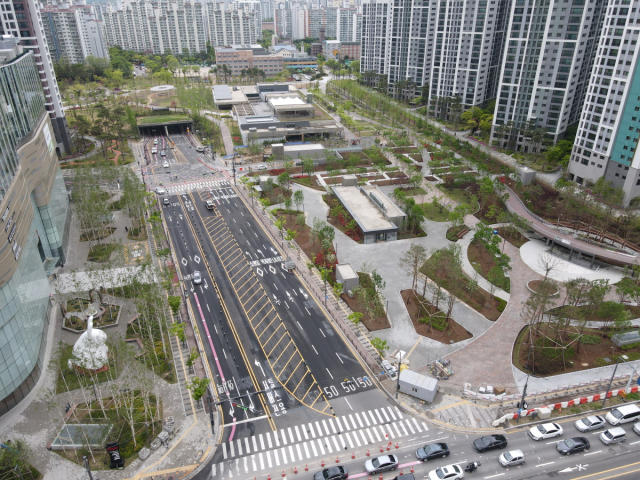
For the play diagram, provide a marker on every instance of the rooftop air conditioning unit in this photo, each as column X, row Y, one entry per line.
column 253, row 129
column 272, row 129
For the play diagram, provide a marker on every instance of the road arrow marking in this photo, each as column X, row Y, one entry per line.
column 258, row 364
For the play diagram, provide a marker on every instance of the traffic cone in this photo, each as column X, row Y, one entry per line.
column 295, row 469
column 397, row 446
column 368, row 453
column 389, row 447
column 411, row 468
column 381, row 449
column 283, row 475
column 269, row 477
column 380, row 476
column 306, row 468
column 353, row 455
column 400, row 471
column 337, row 460
column 321, row 464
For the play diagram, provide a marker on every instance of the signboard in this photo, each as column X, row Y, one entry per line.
column 113, row 448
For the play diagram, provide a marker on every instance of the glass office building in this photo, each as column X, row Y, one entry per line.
column 33, row 213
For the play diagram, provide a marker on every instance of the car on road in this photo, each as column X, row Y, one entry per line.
column 623, row 414
column 160, row 191
column 489, row 442
column 573, row 445
column 450, row 472
column 636, row 428
column 166, row 202
column 197, row 277
column 165, row 164
column 544, row 431
column 154, row 150
column 594, row 422
column 155, row 141
column 262, row 166
column 162, row 152
column 332, row 473
column 433, row 450
column 383, row 463
column 511, row 458
column 210, row 205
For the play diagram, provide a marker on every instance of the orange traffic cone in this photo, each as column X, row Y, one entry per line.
column 295, row 469
column 321, row 464
column 353, row 455
column 397, row 446
column 337, row 460
column 283, row 475
column 368, row 453
column 306, row 468
column 411, row 468
column 381, row 449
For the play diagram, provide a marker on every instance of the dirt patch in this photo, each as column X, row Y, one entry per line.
column 332, row 180
column 375, row 322
column 548, row 358
column 589, row 313
column 396, row 175
column 483, row 262
column 513, row 236
column 311, row 182
column 431, row 178
column 444, row 331
column 540, row 286
column 310, row 248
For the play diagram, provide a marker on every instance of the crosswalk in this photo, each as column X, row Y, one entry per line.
column 375, row 427
column 197, row 186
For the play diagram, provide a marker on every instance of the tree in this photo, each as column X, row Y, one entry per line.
column 547, row 263
column 284, row 179
column 356, row 317
column 307, row 166
column 198, row 387
column 412, row 260
column 298, row 198
column 191, row 359
column 177, row 329
column 380, row 345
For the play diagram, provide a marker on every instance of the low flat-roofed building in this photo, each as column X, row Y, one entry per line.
column 291, row 107
column 315, row 151
column 377, row 216
column 225, row 97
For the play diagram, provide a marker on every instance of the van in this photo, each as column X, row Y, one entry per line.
column 613, row 436
column 623, row 414
column 199, row 149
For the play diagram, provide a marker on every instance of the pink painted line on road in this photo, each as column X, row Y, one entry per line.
column 215, row 356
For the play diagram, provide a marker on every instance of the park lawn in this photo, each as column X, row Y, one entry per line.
column 435, row 213
column 483, row 262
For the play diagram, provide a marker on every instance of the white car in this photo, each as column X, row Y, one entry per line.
column 450, row 472
column 165, row 164
column 197, row 278
column 160, row 191
column 636, row 427
column 262, row 166
column 546, row 430
column 594, row 422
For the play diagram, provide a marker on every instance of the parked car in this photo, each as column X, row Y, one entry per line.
column 332, row 473
column 593, row 422
column 433, row 450
column 511, row 458
column 262, row 166
column 383, row 463
column 490, row 442
column 573, row 445
column 546, row 430
column 197, row 277
column 450, row 472
column 160, row 191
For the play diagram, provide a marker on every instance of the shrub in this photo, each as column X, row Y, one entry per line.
column 631, row 346
column 633, row 396
column 502, row 304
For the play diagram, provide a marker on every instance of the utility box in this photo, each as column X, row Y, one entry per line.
column 349, row 180
column 419, row 386
column 277, row 149
column 263, row 182
column 526, row 174
column 543, row 413
column 347, row 276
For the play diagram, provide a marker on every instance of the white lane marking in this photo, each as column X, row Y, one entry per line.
column 321, row 447
column 284, row 455
column 313, row 433
column 554, row 442
column 246, row 442
column 255, row 444
column 416, row 424
column 293, row 455
column 364, row 439
column 308, row 312
column 349, row 440
column 353, row 422
column 269, row 439
column 335, row 442
column 592, row 453
column 391, row 413
column 291, row 435
column 298, row 433
column 261, row 461
column 493, row 476
column 330, row 374
column 332, row 426
column 298, row 322
column 314, row 349
column 375, row 431
column 398, row 412
column 385, row 415
column 275, row 454
column 545, row 464
column 633, row 443
column 233, row 452
column 339, row 357
column 359, row 421
column 410, row 427
column 340, row 428
column 374, row 421
column 379, row 417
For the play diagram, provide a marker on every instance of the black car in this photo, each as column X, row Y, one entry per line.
column 489, row 442
column 332, row 473
column 433, row 450
column 573, row 445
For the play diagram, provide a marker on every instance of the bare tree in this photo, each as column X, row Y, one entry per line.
column 548, row 264
column 412, row 260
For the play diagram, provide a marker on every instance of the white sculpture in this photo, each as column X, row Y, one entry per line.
column 90, row 351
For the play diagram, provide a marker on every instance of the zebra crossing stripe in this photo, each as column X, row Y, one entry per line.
column 416, row 424
column 224, row 451
column 392, row 414
column 313, row 447
column 255, row 444
column 385, row 414
column 313, row 434
column 246, row 442
column 275, row 454
column 261, row 461
column 353, row 422
column 261, row 442
column 321, row 447
column 340, row 425
column 410, row 427
column 284, row 455
column 396, row 428
column 269, row 459
column 298, row 450
column 269, row 440
column 233, row 454
column 335, row 443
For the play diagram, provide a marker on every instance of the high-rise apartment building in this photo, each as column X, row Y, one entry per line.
column 21, row 18
column 161, row 27
column 347, row 25
column 254, row 7
column 607, row 138
column 282, row 20
column 467, row 50
column 33, row 216
column 373, row 54
column 549, row 52
column 73, row 33
column 231, row 27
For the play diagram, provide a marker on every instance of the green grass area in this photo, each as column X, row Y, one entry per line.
column 101, row 253
column 68, row 379
column 435, row 213
column 460, row 196
column 162, row 119
column 414, row 191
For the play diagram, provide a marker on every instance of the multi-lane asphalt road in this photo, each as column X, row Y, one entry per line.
column 292, row 393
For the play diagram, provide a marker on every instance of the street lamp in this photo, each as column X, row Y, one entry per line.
column 624, row 358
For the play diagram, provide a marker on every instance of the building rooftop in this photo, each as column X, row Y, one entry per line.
column 221, row 92
column 286, row 101
column 346, row 271
column 368, row 215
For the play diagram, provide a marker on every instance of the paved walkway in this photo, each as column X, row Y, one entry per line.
column 224, row 131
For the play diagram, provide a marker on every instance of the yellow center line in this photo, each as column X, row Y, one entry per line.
column 612, row 470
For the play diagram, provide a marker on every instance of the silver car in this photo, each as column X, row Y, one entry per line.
column 511, row 458
column 197, row 277
column 595, row 422
column 381, row 464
